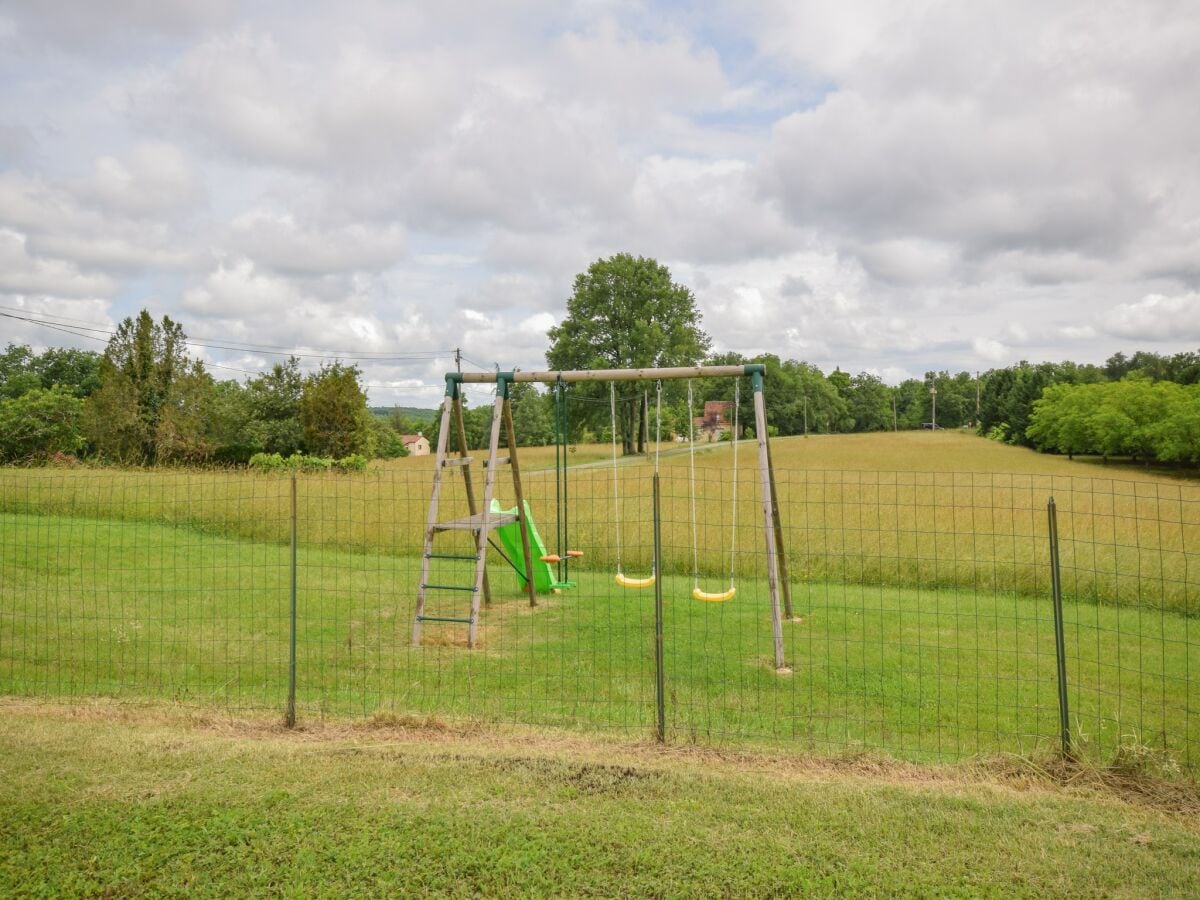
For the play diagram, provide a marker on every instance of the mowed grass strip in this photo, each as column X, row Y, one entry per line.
column 910, row 509
column 131, row 802
column 133, row 609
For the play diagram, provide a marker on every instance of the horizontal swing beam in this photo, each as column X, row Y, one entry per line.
column 651, row 374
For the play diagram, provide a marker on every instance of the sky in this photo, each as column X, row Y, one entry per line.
column 881, row 186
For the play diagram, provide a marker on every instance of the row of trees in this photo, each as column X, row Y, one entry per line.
column 145, row 400
column 1134, row 417
column 1009, row 394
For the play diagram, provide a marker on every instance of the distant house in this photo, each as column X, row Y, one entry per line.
column 416, row 444
column 715, row 421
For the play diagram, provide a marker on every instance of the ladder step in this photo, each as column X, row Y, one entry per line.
column 474, row 557
column 458, row 461
column 443, row 619
column 448, row 587
column 475, row 522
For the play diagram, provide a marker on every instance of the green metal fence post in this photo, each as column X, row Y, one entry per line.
column 1060, row 650
column 658, row 620
column 291, row 701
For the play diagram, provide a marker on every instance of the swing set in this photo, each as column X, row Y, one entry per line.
column 697, row 592
column 488, row 517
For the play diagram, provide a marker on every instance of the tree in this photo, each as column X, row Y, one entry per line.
column 21, row 370
column 152, row 395
column 182, row 433
column 76, row 370
column 387, row 441
column 625, row 312
column 273, row 409
column 1132, row 417
column 870, row 403
column 334, row 414
column 40, row 423
column 17, row 375
column 1062, row 420
column 533, row 415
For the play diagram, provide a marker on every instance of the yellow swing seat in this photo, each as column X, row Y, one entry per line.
column 634, row 582
column 713, row 598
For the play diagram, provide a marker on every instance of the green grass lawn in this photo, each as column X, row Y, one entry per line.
column 105, row 800
column 129, row 609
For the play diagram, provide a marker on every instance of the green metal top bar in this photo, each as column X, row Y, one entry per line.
column 753, row 369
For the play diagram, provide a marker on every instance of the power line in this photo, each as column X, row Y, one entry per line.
column 78, row 328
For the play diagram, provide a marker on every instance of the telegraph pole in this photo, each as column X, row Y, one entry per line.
column 933, row 400
column 895, row 420
column 977, row 400
column 806, row 415
column 458, row 358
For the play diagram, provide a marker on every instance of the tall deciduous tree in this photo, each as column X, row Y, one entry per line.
column 334, row 414
column 151, row 403
column 273, row 399
column 626, row 312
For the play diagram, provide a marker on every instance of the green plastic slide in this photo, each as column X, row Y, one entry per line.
column 544, row 580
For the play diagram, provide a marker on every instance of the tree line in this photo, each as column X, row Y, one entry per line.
column 146, row 401
column 1135, row 417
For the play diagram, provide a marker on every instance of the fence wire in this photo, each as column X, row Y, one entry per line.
column 917, row 621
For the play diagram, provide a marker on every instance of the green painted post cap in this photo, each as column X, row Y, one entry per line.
column 756, row 371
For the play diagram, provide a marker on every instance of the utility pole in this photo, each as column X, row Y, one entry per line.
column 933, row 399
column 806, row 415
column 977, row 399
column 458, row 358
column 895, row 420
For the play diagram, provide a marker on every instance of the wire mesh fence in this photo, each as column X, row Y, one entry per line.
column 918, row 618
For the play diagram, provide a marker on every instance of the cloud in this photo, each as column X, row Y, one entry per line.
column 990, row 350
column 1156, row 318
column 155, row 178
column 24, row 273
column 57, row 220
column 1038, row 143
column 278, row 241
column 103, row 28
column 878, row 186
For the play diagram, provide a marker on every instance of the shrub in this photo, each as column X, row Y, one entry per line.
column 355, row 462
column 40, row 423
column 266, row 462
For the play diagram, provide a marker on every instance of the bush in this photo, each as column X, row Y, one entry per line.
column 266, row 462
column 40, row 423
column 355, row 462
column 271, row 462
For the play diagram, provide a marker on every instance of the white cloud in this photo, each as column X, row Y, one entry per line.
column 1157, row 318
column 24, row 273
column 277, row 240
column 157, row 177
column 990, row 350
column 57, row 222
column 878, row 186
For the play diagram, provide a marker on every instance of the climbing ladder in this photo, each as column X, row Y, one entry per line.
column 480, row 518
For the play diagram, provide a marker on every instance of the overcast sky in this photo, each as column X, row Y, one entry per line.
column 888, row 186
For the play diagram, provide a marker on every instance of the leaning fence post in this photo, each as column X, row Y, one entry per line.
column 658, row 620
column 291, row 700
column 1060, row 650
